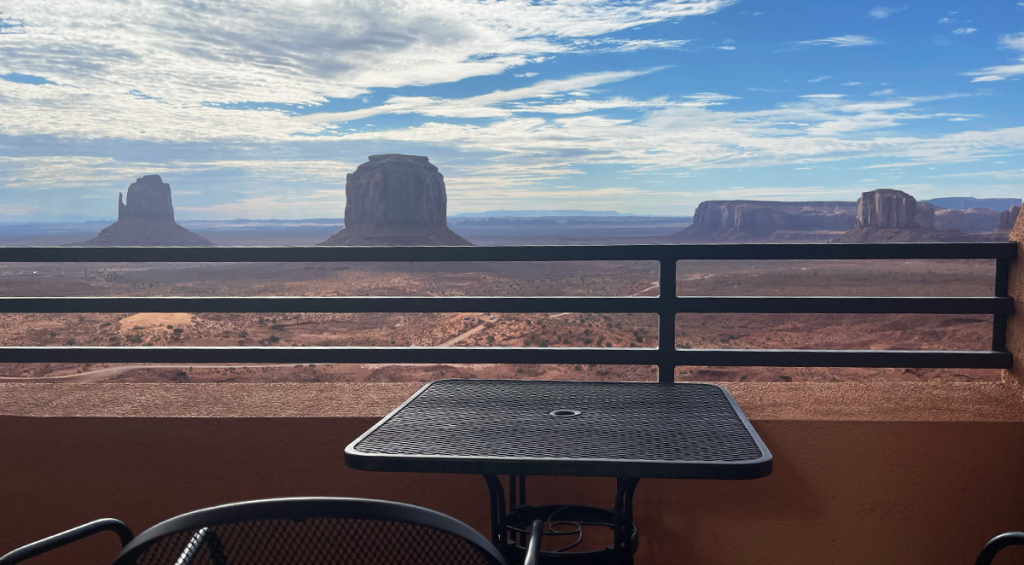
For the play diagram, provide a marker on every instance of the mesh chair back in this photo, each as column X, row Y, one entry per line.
column 311, row 531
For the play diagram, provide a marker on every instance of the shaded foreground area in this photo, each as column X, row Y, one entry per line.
column 722, row 278
column 878, row 473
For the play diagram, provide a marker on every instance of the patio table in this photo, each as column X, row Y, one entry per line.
column 627, row 430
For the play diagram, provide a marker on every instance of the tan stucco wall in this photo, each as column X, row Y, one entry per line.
column 923, row 487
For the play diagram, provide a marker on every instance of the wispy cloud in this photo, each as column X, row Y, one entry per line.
column 841, row 41
column 625, row 45
column 882, row 12
column 819, row 79
column 964, row 30
column 812, row 131
column 1001, row 72
column 884, row 92
column 106, row 55
column 850, row 84
column 482, row 106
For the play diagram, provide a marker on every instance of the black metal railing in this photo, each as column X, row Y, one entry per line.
column 665, row 356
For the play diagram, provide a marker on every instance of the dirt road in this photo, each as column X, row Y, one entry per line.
column 559, row 315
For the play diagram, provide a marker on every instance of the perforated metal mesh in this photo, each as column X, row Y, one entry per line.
column 316, row 541
column 680, row 422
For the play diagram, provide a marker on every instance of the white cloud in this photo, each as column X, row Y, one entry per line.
column 882, row 12
column 884, row 92
column 625, row 45
column 526, row 75
column 482, row 106
column 176, row 67
column 850, row 84
column 1001, row 72
column 819, row 79
column 804, row 133
column 821, row 96
column 842, row 41
column 964, row 30
column 86, row 172
column 946, row 20
column 727, row 47
column 1014, row 41
column 696, row 132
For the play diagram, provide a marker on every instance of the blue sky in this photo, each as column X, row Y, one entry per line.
column 258, row 108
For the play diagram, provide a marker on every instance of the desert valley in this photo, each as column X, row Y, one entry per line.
column 411, row 210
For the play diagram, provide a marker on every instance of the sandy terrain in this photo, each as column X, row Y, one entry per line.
column 792, row 278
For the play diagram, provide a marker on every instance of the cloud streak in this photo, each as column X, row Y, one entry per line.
column 882, row 12
column 1002, row 72
column 841, row 41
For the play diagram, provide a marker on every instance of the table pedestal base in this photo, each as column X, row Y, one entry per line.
column 509, row 529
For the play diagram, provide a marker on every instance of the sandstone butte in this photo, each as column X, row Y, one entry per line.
column 888, row 215
column 396, row 200
column 146, row 218
column 882, row 215
column 757, row 220
column 1007, row 218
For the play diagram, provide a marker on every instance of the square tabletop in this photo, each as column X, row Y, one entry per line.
column 577, row 428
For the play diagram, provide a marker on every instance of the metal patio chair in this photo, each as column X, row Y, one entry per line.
column 997, row 544
column 296, row 531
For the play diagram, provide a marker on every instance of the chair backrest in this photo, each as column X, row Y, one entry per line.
column 311, row 531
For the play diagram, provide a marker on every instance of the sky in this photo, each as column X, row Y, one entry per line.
column 259, row 108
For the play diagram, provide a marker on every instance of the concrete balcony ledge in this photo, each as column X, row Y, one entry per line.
column 880, row 402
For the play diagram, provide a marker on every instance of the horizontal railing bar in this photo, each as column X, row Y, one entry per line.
column 509, row 355
column 582, row 304
column 330, row 304
column 844, row 304
column 901, row 359
column 714, row 251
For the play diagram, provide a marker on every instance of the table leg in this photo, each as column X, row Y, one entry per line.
column 497, row 494
column 622, row 514
column 624, row 487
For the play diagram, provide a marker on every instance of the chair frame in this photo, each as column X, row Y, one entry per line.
column 997, row 544
column 271, row 509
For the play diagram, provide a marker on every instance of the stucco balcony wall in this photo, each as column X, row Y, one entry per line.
column 878, row 473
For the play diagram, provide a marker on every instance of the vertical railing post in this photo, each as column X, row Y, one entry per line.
column 667, row 320
column 1002, row 288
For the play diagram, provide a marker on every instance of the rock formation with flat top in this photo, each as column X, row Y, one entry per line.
column 396, row 200
column 758, row 220
column 972, row 220
column 885, row 215
column 1007, row 218
column 146, row 218
column 886, row 208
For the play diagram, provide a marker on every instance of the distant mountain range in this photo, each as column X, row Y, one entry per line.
column 966, row 203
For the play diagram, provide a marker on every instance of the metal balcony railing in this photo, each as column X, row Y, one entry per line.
column 666, row 356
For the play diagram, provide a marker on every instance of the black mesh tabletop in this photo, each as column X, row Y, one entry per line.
column 669, row 430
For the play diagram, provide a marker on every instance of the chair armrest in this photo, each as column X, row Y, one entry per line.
column 70, row 536
column 533, row 549
column 994, row 546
